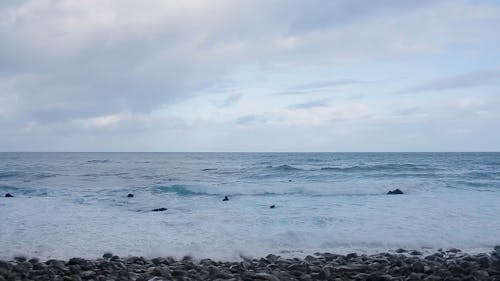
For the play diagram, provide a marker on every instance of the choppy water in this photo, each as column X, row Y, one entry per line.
column 75, row 204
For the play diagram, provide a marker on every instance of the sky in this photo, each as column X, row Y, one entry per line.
column 270, row 75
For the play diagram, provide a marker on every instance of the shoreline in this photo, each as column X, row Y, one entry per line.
column 451, row 264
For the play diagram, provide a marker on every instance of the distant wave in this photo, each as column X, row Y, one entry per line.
column 7, row 188
column 99, row 161
column 357, row 168
column 188, row 190
column 285, row 168
column 26, row 176
column 181, row 190
column 10, row 174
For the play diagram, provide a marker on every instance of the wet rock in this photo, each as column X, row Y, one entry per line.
column 266, row 276
column 395, row 191
column 483, row 261
column 351, row 256
column 272, row 206
column 130, row 195
column 415, row 253
column 225, row 199
column 418, row 267
column 88, row 274
column 8, row 195
column 5, row 265
column 159, row 210
column 379, row 277
column 399, row 251
column 107, row 255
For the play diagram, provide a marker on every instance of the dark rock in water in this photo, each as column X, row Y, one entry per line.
column 130, row 195
column 272, row 207
column 107, row 255
column 395, row 191
column 159, row 210
column 8, row 195
column 225, row 199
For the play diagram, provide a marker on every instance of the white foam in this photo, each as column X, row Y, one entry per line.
column 204, row 226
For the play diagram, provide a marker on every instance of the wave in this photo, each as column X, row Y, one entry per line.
column 26, row 177
column 357, row 168
column 10, row 174
column 286, row 168
column 181, row 190
column 99, row 161
column 193, row 190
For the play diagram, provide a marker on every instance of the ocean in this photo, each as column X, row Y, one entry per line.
column 76, row 205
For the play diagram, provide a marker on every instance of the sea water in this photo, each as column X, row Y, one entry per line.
column 76, row 204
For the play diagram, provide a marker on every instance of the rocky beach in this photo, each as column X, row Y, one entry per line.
column 448, row 264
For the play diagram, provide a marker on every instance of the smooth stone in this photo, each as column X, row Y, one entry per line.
column 8, row 195
column 379, row 277
column 130, row 195
column 418, row 267
column 352, row 267
column 272, row 206
column 159, row 210
column 266, row 276
column 399, row 251
column 484, row 261
column 107, row 255
column 5, row 265
column 415, row 253
column 87, row 274
column 351, row 256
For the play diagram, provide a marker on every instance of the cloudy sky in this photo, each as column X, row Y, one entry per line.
column 225, row 75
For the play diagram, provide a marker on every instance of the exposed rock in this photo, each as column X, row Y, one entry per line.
column 130, row 195
column 266, row 276
column 395, row 191
column 159, row 210
column 8, row 195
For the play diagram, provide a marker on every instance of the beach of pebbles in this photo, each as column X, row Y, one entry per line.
column 450, row 264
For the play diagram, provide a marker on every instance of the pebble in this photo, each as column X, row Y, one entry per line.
column 443, row 265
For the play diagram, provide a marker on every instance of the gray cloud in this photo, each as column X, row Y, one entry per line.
column 247, row 119
column 468, row 80
column 229, row 100
column 320, row 86
column 310, row 104
column 63, row 61
column 406, row 111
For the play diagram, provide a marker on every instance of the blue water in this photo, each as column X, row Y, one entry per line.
column 75, row 204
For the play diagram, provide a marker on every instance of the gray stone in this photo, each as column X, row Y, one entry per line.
column 266, row 276
column 351, row 256
column 88, row 274
column 418, row 267
column 379, row 277
column 484, row 261
column 20, row 258
column 5, row 265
